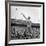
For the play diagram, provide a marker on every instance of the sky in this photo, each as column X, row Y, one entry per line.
column 34, row 12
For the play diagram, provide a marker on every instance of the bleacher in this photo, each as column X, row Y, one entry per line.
column 19, row 30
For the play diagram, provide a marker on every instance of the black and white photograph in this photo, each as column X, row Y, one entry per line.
column 25, row 22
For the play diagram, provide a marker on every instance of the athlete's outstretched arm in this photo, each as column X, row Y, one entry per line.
column 24, row 16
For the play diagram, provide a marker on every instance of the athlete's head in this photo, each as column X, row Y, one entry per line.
column 29, row 18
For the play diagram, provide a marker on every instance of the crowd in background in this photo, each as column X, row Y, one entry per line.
column 25, row 34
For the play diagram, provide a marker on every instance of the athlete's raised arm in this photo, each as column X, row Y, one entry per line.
column 24, row 16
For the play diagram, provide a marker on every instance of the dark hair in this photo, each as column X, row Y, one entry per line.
column 29, row 17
